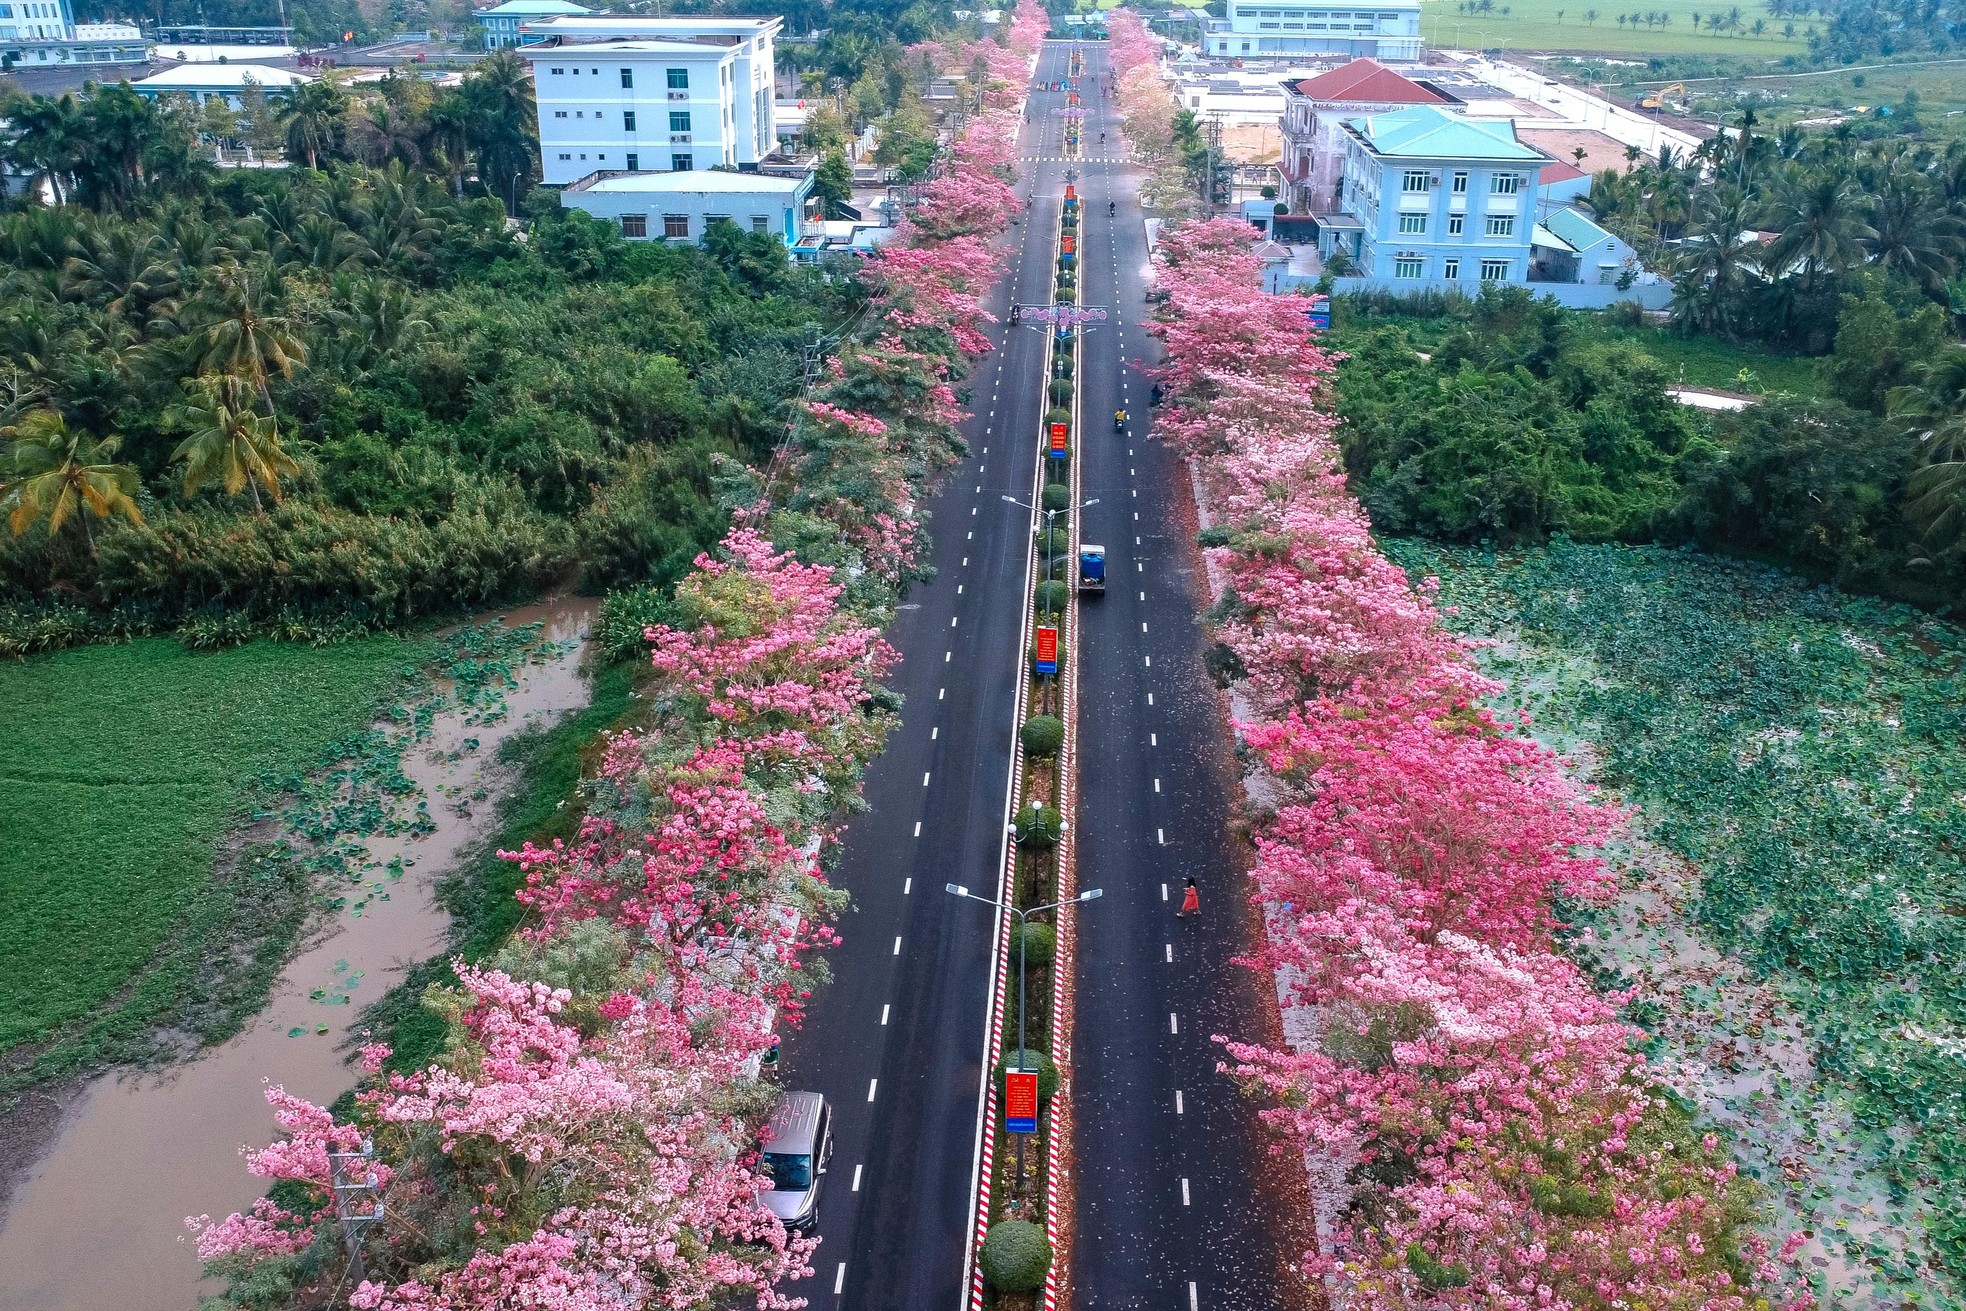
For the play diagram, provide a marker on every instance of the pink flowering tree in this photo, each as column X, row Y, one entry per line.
column 1495, row 1139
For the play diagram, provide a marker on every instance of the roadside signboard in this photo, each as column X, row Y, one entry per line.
column 1071, row 244
column 1020, row 1101
column 1058, row 441
column 1047, row 661
column 1319, row 313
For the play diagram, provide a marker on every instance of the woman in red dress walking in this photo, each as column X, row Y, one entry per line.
column 1190, row 901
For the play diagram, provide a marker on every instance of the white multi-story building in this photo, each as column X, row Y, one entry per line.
column 40, row 33
column 1297, row 29
column 651, row 93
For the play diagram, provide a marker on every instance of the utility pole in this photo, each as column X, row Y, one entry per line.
column 1212, row 134
column 349, row 1194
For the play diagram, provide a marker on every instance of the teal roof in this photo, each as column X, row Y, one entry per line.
column 533, row 9
column 1425, row 132
column 1574, row 228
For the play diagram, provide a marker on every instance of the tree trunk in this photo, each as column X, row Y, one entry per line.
column 253, row 483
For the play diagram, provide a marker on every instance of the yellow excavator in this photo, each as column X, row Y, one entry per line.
column 1656, row 101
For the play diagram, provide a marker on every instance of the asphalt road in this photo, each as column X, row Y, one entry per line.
column 1178, row 1201
column 896, row 1041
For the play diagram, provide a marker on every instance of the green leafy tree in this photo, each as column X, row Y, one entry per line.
column 313, row 117
column 240, row 329
column 57, row 473
column 833, row 183
column 499, row 124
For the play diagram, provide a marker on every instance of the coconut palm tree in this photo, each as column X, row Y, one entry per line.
column 58, row 473
column 1821, row 230
column 225, row 442
column 124, row 269
column 1932, row 407
column 238, row 328
column 313, row 119
column 47, row 142
column 1911, row 230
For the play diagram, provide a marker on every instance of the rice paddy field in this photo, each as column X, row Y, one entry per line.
column 1793, row 924
column 1530, row 25
column 128, row 897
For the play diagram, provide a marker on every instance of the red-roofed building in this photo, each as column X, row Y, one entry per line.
column 1315, row 108
column 1559, row 184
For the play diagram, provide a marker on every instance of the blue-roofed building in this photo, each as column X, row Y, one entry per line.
column 1435, row 198
column 1568, row 247
column 499, row 26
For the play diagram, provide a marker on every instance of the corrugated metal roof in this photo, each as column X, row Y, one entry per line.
column 1574, row 228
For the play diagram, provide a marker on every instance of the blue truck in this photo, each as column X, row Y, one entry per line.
column 1092, row 568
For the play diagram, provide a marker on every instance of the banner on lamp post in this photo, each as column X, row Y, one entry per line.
column 1058, row 443
column 1020, row 1101
column 1047, row 661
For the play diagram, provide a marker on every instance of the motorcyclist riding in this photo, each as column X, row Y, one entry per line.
column 1119, row 420
column 1112, row 208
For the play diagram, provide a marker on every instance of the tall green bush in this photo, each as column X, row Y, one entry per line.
column 1015, row 1256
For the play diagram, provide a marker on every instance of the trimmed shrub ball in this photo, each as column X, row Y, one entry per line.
column 1015, row 1256
column 1040, row 945
column 1039, row 828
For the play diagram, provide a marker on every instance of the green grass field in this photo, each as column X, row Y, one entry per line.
column 1528, row 25
column 126, row 766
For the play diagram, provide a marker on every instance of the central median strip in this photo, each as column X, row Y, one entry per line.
column 1016, row 1239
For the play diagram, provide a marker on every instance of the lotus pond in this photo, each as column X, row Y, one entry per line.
column 1793, row 930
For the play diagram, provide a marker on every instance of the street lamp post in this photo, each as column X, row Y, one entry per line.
column 957, row 890
column 1050, row 561
column 512, row 185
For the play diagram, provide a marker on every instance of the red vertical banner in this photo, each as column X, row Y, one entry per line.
column 1071, row 192
column 1071, row 246
column 1020, row 1101
column 1047, row 661
column 1057, row 439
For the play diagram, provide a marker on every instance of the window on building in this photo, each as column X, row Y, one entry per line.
column 760, row 223
column 1245, row 47
column 1460, row 184
column 711, row 220
column 678, row 79
column 1451, row 270
column 634, row 162
column 681, row 163
column 1505, row 184
column 1501, row 225
column 1408, row 268
column 627, row 120
column 679, row 120
column 558, row 71
column 564, row 155
column 1606, row 274
column 634, row 225
column 1412, row 223
column 581, row 113
column 1495, row 270
column 1416, row 182
column 1455, row 222
column 627, row 79
column 675, row 226
column 559, row 113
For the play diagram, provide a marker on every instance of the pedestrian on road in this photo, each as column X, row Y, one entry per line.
column 1190, row 901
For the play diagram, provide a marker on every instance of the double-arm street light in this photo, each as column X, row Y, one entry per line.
column 1023, row 916
column 1050, row 527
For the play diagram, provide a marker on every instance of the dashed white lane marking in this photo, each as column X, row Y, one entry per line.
column 952, row 624
column 1136, row 492
column 897, row 951
column 979, row 487
column 1150, row 698
column 857, row 1169
column 947, row 656
column 1136, row 513
column 871, row 1085
column 965, row 565
column 1156, row 788
column 918, row 828
column 1163, row 892
column 1136, row 541
column 1149, row 660
column 1173, row 1026
column 839, row 1280
column 1194, row 1303
column 1138, row 567
column 972, row 536
column 959, row 586
column 1160, row 836
column 1184, row 1183
column 1179, row 1109
column 935, row 732
column 924, row 778
column 1143, row 596
column 1153, row 740
column 884, row 1010
column 907, row 886
column 1143, row 626
column 1170, row 961
column 941, row 692
column 972, row 510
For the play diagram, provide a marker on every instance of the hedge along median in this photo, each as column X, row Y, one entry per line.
column 1018, row 1249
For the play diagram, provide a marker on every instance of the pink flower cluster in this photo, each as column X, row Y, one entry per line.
column 1495, row 1138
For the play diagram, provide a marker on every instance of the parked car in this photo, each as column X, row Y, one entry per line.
column 798, row 1141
